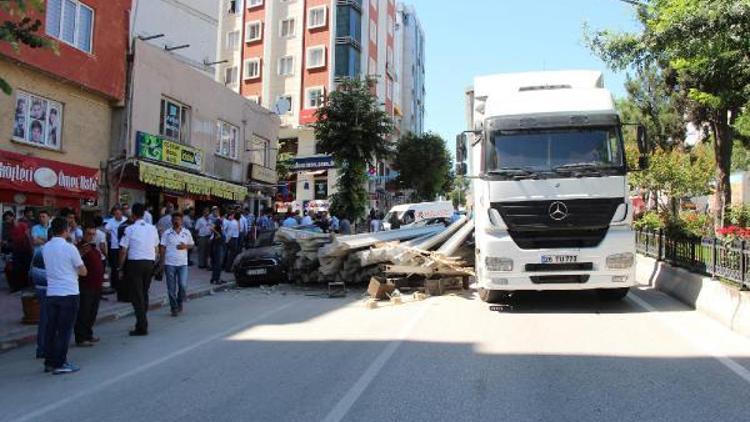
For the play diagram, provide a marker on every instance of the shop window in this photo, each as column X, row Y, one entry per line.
column 174, row 122
column 38, row 121
column 227, row 140
column 71, row 22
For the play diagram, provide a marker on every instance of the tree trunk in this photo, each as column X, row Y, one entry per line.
column 723, row 150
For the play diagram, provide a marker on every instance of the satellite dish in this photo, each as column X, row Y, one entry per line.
column 282, row 106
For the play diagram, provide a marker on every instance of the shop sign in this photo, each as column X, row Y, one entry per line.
column 36, row 175
column 263, row 174
column 156, row 148
column 322, row 162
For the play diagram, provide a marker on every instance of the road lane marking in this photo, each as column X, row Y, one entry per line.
column 56, row 405
column 728, row 362
column 345, row 404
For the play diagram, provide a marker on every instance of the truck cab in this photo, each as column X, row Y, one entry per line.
column 546, row 159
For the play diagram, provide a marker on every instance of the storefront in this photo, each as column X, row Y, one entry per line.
column 31, row 182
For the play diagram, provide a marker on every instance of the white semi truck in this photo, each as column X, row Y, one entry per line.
column 546, row 160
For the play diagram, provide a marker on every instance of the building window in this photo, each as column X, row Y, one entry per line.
column 252, row 68
column 233, row 6
column 285, row 98
column 231, row 75
column 314, row 97
column 254, row 3
column 373, row 32
column 227, row 138
column 253, row 31
column 391, row 25
column 38, row 121
column 232, row 40
column 260, row 152
column 316, row 57
column 286, row 66
column 316, row 17
column 71, row 22
column 347, row 61
column 389, row 88
column 253, row 98
column 286, row 30
column 174, row 122
column 372, row 67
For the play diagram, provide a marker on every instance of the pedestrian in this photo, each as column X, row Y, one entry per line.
column 218, row 246
column 75, row 232
column 375, row 223
column 165, row 222
column 232, row 235
column 28, row 217
column 290, row 222
column 40, row 232
column 19, row 237
column 395, row 221
column 112, row 227
column 334, row 224
column 188, row 223
column 90, row 288
column 38, row 276
column 63, row 266
column 345, row 227
column 174, row 246
column 101, row 238
column 138, row 250
column 203, row 230
column 147, row 216
column 307, row 220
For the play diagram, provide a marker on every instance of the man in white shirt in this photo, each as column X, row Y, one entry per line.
column 175, row 244
column 139, row 247
column 232, row 235
column 203, row 230
column 111, row 228
column 63, row 265
column 165, row 222
column 147, row 217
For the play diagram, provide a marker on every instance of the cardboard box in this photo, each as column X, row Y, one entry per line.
column 380, row 288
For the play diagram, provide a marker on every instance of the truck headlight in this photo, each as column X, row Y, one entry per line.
column 496, row 264
column 621, row 261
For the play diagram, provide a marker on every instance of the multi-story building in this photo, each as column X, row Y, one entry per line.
column 56, row 125
column 187, row 28
column 287, row 55
column 410, row 52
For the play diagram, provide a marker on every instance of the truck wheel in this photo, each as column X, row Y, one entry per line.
column 492, row 296
column 613, row 295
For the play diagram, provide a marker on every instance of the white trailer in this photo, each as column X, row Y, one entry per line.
column 549, row 190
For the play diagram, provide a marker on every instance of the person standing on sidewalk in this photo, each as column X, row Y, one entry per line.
column 232, row 232
column 38, row 276
column 90, row 287
column 112, row 228
column 21, row 248
column 175, row 244
column 63, row 265
column 40, row 232
column 218, row 247
column 138, row 250
column 203, row 230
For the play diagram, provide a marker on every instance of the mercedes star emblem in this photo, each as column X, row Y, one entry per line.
column 558, row 211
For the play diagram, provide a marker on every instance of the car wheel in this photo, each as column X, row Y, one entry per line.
column 493, row 296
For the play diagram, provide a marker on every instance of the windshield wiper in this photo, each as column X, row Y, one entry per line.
column 514, row 172
column 580, row 166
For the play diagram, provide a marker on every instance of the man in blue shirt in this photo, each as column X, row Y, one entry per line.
column 40, row 231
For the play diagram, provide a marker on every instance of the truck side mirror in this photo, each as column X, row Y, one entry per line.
column 461, row 169
column 642, row 140
column 643, row 162
column 461, row 148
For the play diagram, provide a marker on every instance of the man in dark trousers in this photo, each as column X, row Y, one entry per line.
column 90, row 287
column 139, row 248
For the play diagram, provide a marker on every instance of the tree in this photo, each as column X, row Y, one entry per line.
column 702, row 45
column 424, row 164
column 21, row 29
column 284, row 161
column 353, row 129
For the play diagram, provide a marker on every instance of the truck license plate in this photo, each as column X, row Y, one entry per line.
column 559, row 259
column 260, row 271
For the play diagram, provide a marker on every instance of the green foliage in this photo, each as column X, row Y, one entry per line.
column 424, row 164
column 702, row 46
column 650, row 221
column 695, row 224
column 458, row 195
column 353, row 129
column 738, row 215
column 284, row 162
column 21, row 29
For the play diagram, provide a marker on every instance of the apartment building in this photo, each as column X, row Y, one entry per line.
column 410, row 56
column 288, row 54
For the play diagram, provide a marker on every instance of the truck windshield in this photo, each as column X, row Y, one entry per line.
column 527, row 152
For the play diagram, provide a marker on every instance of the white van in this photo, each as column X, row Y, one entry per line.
column 411, row 214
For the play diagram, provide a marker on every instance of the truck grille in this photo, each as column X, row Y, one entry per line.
column 532, row 225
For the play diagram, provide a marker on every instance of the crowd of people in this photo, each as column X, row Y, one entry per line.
column 65, row 263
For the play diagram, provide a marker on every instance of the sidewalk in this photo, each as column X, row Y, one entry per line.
column 14, row 334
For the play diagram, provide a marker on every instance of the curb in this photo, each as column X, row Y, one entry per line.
column 22, row 339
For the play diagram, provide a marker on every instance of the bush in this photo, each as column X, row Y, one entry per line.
column 696, row 224
column 650, row 221
column 739, row 215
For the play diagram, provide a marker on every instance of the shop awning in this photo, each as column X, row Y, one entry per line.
column 177, row 180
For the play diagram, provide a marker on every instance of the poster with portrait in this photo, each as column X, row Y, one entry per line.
column 37, row 121
column 19, row 122
column 54, row 117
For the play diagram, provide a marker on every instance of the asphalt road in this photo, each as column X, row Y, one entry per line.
column 248, row 356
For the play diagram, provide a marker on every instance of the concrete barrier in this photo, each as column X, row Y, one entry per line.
column 727, row 304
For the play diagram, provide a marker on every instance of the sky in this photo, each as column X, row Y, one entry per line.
column 467, row 38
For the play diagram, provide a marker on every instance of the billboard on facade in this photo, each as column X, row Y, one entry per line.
column 157, row 148
column 322, row 162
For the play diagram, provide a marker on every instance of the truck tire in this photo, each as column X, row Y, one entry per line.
column 612, row 295
column 492, row 296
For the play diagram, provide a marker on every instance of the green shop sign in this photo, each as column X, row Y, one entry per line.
column 156, row 148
